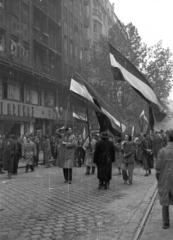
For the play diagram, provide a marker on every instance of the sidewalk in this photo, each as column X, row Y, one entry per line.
column 39, row 205
column 153, row 229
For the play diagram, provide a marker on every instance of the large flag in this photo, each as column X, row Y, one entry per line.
column 124, row 70
column 143, row 123
column 79, row 118
column 106, row 115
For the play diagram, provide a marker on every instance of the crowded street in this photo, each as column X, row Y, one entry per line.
column 39, row 205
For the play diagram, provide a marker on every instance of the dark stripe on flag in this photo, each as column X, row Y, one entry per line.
column 137, row 80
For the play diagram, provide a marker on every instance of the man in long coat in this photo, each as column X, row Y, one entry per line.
column 46, row 151
column 128, row 160
column 9, row 150
column 67, row 145
column 164, row 175
column 104, row 156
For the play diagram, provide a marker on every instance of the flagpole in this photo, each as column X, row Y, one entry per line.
column 66, row 114
column 73, row 120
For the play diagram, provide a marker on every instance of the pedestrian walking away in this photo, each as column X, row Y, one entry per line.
column 104, row 156
column 164, row 173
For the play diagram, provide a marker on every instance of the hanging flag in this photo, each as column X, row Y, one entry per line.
column 124, row 70
column 104, row 112
column 143, row 124
column 79, row 118
column 57, row 113
column 84, row 134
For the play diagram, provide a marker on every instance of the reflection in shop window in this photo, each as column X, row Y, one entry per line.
column 25, row 52
column 14, row 46
column 14, row 92
column 2, row 41
column 2, row 3
column 49, row 99
column 32, row 96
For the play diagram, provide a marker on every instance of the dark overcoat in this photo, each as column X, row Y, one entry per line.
column 164, row 167
column 104, row 155
column 9, row 150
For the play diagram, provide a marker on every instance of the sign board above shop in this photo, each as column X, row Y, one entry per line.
column 12, row 108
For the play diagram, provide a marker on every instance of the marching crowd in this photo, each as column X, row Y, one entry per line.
column 97, row 151
column 70, row 151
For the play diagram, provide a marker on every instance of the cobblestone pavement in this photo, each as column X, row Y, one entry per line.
column 39, row 205
column 153, row 229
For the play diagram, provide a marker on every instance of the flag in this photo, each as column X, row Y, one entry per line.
column 84, row 134
column 57, row 112
column 79, row 118
column 143, row 123
column 133, row 132
column 105, row 113
column 124, row 70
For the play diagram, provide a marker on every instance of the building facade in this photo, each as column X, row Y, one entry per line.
column 42, row 43
column 30, row 65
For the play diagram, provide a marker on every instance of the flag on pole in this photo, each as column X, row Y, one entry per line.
column 143, row 123
column 106, row 115
column 124, row 70
column 84, row 134
column 57, row 112
column 79, row 118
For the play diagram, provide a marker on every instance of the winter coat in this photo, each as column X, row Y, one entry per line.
column 148, row 148
column 9, row 150
column 128, row 153
column 138, row 143
column 158, row 144
column 29, row 151
column 164, row 167
column 60, row 153
column 69, row 148
column 104, row 156
column 89, row 152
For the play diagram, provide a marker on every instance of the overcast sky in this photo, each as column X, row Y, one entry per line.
column 152, row 18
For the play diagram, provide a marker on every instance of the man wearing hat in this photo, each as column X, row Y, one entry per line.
column 104, row 156
column 29, row 152
column 164, row 175
column 9, row 150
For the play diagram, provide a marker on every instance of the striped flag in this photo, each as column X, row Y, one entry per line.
column 106, row 115
column 84, row 134
column 143, row 124
column 124, row 70
column 79, row 118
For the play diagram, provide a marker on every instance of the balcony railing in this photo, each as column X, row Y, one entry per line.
column 97, row 13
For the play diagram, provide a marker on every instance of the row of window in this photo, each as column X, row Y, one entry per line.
column 16, row 92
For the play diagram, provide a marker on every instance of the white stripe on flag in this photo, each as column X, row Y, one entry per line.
column 78, row 117
column 80, row 90
column 113, row 120
column 146, row 91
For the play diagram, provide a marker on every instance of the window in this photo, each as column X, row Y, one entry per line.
column 5, row 90
column 49, row 99
column 25, row 52
column 32, row 96
column 2, row 41
column 65, row 50
column 95, row 26
column 25, row 13
column 2, row 3
column 14, row 91
column 14, row 46
column 65, row 14
column 22, row 93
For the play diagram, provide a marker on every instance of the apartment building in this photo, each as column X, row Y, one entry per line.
column 30, row 65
